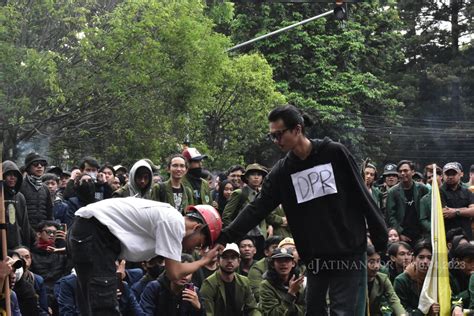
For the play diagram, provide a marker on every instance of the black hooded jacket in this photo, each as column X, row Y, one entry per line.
column 331, row 225
column 16, row 214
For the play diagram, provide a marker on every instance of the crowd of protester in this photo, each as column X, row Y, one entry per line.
column 259, row 275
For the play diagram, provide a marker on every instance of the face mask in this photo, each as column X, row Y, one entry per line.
column 93, row 175
column 155, row 271
column 195, row 172
column 18, row 273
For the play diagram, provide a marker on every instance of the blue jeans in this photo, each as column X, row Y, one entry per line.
column 345, row 279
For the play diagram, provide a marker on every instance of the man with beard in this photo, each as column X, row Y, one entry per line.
column 194, row 177
column 457, row 200
column 16, row 214
column 38, row 198
column 84, row 189
column 226, row 292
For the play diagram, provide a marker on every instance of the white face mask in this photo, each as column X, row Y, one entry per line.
column 93, row 175
column 18, row 274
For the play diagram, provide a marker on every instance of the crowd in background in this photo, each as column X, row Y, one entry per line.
column 260, row 274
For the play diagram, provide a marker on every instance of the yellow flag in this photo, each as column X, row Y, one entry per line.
column 436, row 288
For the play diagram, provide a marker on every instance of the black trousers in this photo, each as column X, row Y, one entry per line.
column 94, row 250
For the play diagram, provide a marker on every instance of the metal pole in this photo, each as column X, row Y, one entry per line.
column 289, row 27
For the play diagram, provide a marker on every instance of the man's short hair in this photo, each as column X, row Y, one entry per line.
column 406, row 162
column 273, row 240
column 170, row 158
column 107, row 166
column 393, row 248
column 44, row 224
column 91, row 161
column 235, row 168
column 247, row 238
column 49, row 176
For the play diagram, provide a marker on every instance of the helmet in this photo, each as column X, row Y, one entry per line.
column 211, row 218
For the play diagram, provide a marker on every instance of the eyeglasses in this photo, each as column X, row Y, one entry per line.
column 50, row 231
column 276, row 136
column 39, row 163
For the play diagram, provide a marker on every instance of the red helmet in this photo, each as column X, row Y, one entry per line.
column 211, row 218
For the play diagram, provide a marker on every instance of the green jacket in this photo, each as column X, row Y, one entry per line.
column 276, row 219
column 408, row 293
column 382, row 293
column 163, row 192
column 213, row 295
column 425, row 213
column 237, row 201
column 277, row 302
column 205, row 192
column 458, row 292
column 396, row 203
column 377, row 195
column 256, row 276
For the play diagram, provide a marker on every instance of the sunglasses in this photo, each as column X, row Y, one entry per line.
column 50, row 232
column 276, row 136
column 39, row 163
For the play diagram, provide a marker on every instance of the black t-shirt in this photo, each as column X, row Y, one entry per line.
column 370, row 285
column 459, row 198
column 178, row 198
column 231, row 308
column 410, row 221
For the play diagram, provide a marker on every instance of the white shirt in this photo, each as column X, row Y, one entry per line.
column 145, row 228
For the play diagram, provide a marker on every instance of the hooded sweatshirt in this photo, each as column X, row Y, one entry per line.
column 325, row 200
column 131, row 188
column 16, row 214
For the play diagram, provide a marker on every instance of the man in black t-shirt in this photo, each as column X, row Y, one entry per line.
column 457, row 201
column 226, row 292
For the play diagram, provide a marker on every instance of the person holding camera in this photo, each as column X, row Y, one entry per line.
column 49, row 257
column 176, row 297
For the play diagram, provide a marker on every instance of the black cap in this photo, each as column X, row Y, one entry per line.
column 282, row 253
column 390, row 169
column 32, row 157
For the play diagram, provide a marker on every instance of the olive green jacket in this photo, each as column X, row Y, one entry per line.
column 235, row 205
column 277, row 302
column 256, row 276
column 382, row 293
column 396, row 203
column 205, row 191
column 276, row 220
column 213, row 295
column 164, row 193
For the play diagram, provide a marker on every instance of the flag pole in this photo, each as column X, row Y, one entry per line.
column 3, row 228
